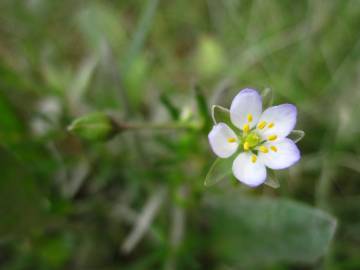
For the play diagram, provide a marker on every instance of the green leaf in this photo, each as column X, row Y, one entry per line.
column 203, row 108
column 249, row 232
column 11, row 128
column 21, row 201
column 55, row 250
column 171, row 108
column 218, row 171
column 82, row 78
column 271, row 180
column 134, row 79
column 267, row 98
column 296, row 135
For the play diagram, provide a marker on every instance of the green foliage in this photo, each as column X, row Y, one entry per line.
column 10, row 126
column 272, row 230
column 22, row 205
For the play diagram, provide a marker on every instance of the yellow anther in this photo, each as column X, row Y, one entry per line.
column 263, row 149
column 253, row 158
column 271, row 125
column 246, row 128
column 231, row 140
column 273, row 148
column 261, row 125
column 249, row 117
column 246, row 146
column 272, row 137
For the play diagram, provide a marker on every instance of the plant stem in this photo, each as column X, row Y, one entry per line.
column 144, row 126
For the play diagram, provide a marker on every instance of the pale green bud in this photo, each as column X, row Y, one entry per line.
column 95, row 127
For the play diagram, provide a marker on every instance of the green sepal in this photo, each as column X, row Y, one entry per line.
column 271, row 180
column 267, row 98
column 296, row 135
column 219, row 170
column 220, row 114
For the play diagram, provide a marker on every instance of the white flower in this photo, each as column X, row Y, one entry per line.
column 261, row 140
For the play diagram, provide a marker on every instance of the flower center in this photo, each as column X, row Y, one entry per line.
column 251, row 140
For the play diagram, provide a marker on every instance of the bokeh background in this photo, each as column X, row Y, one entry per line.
column 138, row 201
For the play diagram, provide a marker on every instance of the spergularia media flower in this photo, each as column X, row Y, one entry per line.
column 258, row 139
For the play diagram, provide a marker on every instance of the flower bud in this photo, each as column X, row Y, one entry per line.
column 95, row 127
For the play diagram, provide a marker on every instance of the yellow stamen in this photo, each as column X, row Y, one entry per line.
column 271, row 125
column 253, row 158
column 246, row 128
column 231, row 140
column 246, row 146
column 261, row 125
column 273, row 148
column 272, row 137
column 249, row 117
column 263, row 149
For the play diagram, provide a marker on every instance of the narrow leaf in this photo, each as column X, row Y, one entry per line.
column 171, row 108
column 82, row 78
column 203, row 108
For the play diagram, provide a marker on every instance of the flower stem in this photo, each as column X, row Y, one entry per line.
column 144, row 126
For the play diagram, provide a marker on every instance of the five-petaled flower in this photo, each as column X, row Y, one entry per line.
column 262, row 141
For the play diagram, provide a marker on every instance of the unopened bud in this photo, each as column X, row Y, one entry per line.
column 95, row 127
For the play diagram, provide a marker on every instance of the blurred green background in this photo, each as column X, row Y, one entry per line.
column 138, row 201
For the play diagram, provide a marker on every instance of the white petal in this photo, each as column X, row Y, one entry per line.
column 218, row 138
column 282, row 116
column 248, row 101
column 248, row 172
column 287, row 154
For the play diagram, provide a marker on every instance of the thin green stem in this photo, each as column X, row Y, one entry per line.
column 155, row 126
